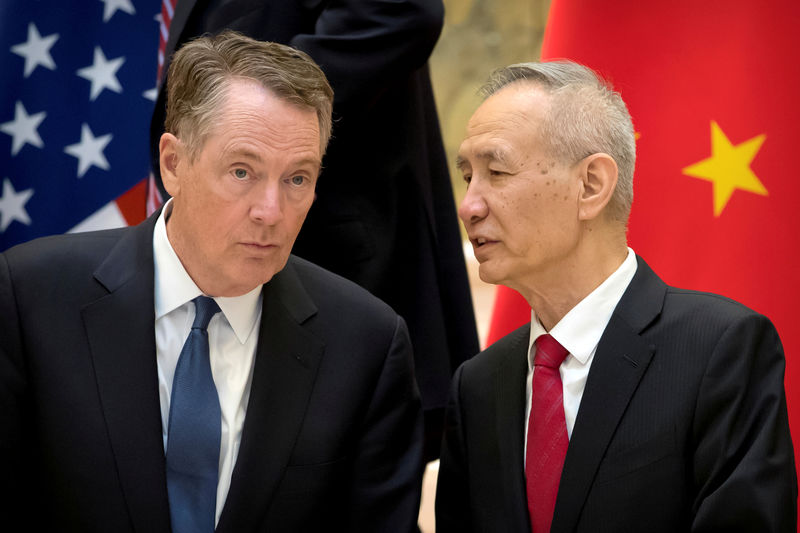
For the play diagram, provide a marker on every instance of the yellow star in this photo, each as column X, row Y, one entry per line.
column 728, row 168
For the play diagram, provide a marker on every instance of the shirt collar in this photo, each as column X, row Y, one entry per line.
column 174, row 287
column 579, row 331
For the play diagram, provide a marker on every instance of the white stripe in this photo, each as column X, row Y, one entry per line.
column 169, row 8
column 108, row 216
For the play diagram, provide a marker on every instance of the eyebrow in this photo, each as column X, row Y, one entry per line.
column 490, row 154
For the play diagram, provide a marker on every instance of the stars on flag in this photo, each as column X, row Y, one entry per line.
column 89, row 150
column 102, row 73
column 12, row 205
column 111, row 7
column 728, row 168
column 24, row 128
column 75, row 109
column 36, row 50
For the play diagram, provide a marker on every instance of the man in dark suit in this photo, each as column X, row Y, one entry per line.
column 626, row 404
column 318, row 423
column 384, row 215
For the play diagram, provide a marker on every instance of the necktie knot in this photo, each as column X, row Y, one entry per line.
column 549, row 352
column 205, row 309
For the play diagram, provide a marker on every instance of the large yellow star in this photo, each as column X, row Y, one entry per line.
column 728, row 168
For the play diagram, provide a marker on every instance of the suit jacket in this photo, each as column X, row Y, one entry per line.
column 682, row 426
column 384, row 215
column 333, row 432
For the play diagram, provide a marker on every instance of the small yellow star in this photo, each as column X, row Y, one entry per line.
column 728, row 168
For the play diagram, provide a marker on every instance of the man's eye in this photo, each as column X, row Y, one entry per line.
column 240, row 173
column 467, row 178
column 298, row 180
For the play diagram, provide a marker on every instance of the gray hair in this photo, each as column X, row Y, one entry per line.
column 203, row 69
column 587, row 116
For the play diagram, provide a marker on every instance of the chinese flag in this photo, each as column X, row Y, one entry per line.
column 714, row 91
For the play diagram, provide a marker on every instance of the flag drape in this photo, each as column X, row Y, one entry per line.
column 75, row 106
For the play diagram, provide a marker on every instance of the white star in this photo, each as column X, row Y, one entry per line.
column 151, row 94
column 36, row 50
column 102, row 73
column 12, row 205
column 111, row 7
column 23, row 128
column 90, row 150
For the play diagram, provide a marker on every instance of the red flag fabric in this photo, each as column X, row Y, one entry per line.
column 712, row 89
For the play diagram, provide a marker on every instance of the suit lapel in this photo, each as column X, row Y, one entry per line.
column 121, row 332
column 621, row 360
column 510, row 419
column 287, row 359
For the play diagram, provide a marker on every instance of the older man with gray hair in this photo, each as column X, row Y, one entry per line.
column 626, row 404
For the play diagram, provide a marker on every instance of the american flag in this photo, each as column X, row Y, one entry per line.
column 77, row 92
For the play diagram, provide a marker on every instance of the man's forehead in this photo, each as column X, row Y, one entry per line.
column 486, row 152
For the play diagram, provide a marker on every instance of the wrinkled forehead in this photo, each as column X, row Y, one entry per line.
column 508, row 121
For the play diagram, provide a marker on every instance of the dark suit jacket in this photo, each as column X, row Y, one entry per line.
column 682, row 426
column 333, row 432
column 384, row 215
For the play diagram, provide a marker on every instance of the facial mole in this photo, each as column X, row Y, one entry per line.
column 545, row 171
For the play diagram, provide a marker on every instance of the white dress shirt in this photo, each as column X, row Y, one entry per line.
column 232, row 335
column 579, row 332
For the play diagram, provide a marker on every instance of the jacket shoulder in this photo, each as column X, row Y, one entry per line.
column 329, row 289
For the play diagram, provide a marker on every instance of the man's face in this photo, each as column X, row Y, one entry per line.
column 521, row 206
column 239, row 206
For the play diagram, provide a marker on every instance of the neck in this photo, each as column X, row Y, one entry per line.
column 552, row 293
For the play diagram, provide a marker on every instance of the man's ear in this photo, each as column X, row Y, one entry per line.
column 170, row 153
column 599, row 179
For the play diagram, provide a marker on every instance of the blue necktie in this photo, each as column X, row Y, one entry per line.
column 194, row 431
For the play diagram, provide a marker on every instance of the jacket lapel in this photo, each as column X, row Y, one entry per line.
column 510, row 419
column 621, row 360
column 287, row 359
column 121, row 332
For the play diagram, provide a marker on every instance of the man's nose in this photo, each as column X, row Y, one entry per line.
column 473, row 207
column 267, row 206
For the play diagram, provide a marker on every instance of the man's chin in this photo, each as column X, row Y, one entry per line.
column 490, row 274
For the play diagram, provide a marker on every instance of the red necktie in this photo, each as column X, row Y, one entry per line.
column 547, row 434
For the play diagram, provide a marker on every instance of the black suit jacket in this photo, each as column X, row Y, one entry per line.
column 333, row 432
column 682, row 426
column 384, row 214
